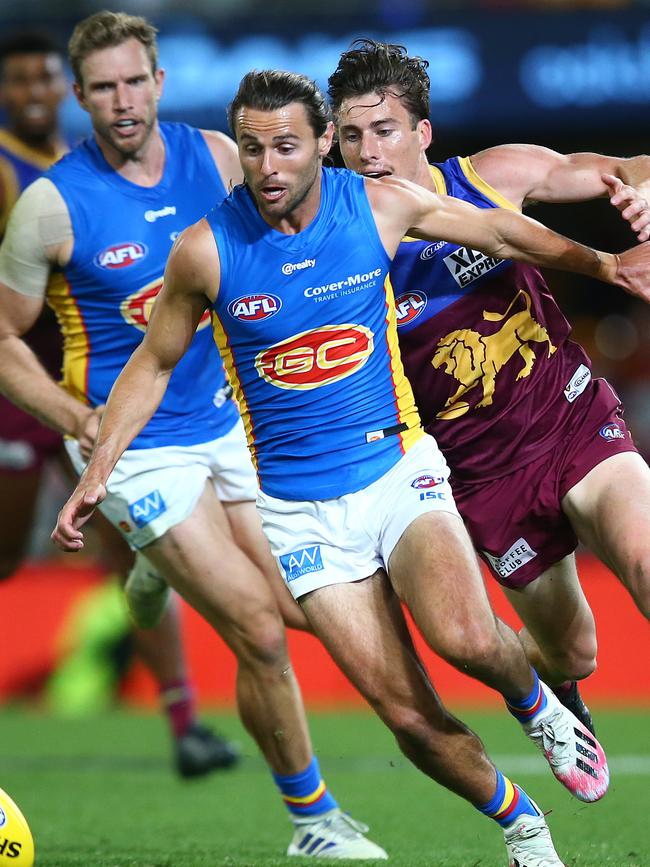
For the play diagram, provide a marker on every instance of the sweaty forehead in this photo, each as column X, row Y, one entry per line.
column 290, row 120
column 370, row 107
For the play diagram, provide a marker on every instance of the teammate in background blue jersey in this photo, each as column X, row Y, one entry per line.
column 96, row 234
column 32, row 86
column 306, row 325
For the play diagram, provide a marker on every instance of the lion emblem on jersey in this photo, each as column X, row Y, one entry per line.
column 475, row 359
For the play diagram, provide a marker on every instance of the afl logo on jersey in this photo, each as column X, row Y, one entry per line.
column 315, row 358
column 120, row 255
column 251, row 308
column 136, row 309
column 409, row 306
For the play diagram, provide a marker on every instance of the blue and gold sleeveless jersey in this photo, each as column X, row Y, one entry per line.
column 20, row 165
column 484, row 345
column 122, row 237
column 306, row 326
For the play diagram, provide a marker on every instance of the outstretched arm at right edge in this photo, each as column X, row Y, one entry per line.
column 193, row 265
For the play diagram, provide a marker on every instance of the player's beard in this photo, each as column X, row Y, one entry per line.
column 296, row 195
column 128, row 149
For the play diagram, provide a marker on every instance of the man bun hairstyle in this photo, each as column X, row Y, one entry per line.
column 383, row 68
column 106, row 30
column 271, row 89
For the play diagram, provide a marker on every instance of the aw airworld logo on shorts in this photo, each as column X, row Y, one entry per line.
column 144, row 511
column 301, row 562
column 253, row 308
column 409, row 306
column 466, row 265
column 317, row 357
column 136, row 308
column 120, row 255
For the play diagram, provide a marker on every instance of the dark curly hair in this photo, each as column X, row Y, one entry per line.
column 381, row 67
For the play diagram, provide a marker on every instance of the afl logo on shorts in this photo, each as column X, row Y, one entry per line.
column 120, row 255
column 611, row 432
column 252, row 308
column 136, row 308
column 409, row 306
column 317, row 357
column 427, row 482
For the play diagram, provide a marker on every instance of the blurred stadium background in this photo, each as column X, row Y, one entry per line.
column 570, row 75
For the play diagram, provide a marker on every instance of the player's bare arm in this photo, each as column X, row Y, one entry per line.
column 226, row 157
column 529, row 173
column 400, row 206
column 190, row 277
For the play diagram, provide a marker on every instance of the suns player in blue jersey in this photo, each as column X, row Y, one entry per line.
column 32, row 86
column 95, row 234
column 538, row 451
column 354, row 497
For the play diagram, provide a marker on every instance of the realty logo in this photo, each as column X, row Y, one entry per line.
column 144, row 511
column 302, row 562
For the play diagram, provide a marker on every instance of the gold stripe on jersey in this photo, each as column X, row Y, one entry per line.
column 221, row 339
column 476, row 180
column 9, row 191
column 407, row 412
column 439, row 180
column 19, row 149
column 75, row 337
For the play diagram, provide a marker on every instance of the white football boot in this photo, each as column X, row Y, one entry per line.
column 576, row 758
column 333, row 835
column 529, row 843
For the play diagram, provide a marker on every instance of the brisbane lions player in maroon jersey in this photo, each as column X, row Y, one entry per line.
column 539, row 453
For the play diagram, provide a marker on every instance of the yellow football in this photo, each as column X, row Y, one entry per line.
column 16, row 843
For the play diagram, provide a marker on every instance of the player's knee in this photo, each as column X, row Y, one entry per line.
column 471, row 649
column 262, row 641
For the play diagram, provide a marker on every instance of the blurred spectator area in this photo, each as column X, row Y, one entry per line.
column 574, row 76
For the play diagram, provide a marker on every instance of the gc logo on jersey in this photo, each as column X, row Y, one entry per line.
column 409, row 306
column 317, row 357
column 302, row 562
column 252, row 308
column 120, row 255
column 136, row 308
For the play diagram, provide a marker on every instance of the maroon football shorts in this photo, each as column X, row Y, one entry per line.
column 516, row 522
column 25, row 444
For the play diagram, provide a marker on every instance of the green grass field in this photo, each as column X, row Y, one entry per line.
column 100, row 793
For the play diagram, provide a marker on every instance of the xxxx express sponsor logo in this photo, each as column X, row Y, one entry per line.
column 136, row 308
column 252, row 308
column 409, row 306
column 317, row 357
column 120, row 255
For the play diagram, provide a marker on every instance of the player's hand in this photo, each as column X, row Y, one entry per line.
column 85, row 497
column 88, row 432
column 633, row 271
column 633, row 206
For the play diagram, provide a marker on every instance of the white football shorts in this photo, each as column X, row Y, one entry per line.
column 151, row 490
column 321, row 542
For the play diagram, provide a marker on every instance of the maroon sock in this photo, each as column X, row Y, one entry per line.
column 178, row 703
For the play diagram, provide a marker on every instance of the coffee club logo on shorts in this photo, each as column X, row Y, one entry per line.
column 253, row 308
column 317, row 357
column 611, row 432
column 409, row 306
column 120, row 255
column 136, row 308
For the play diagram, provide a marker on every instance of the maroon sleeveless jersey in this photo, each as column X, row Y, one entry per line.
column 484, row 345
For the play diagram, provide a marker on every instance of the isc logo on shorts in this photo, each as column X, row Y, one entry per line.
column 252, row 308
column 301, row 562
column 143, row 511
column 409, row 306
column 120, row 255
column 317, row 357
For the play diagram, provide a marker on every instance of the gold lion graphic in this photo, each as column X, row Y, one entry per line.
column 474, row 359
